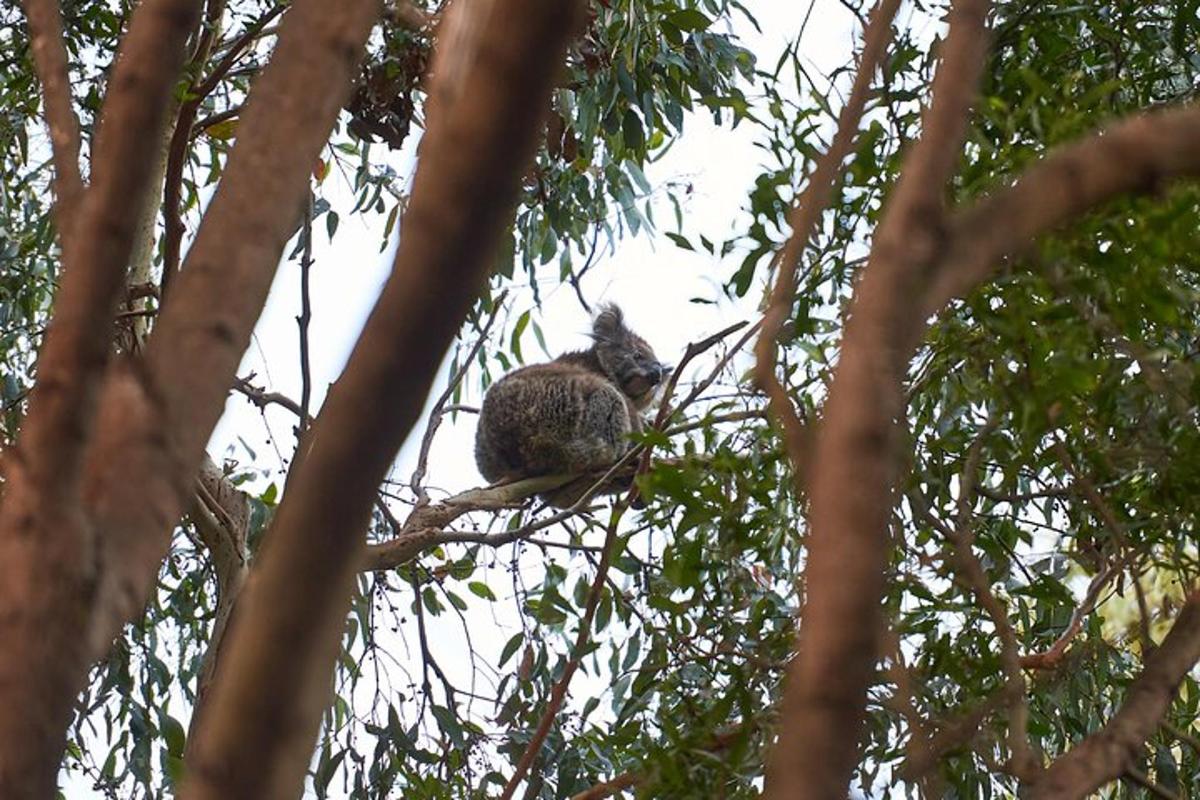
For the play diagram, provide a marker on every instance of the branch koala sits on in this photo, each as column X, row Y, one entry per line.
column 571, row 415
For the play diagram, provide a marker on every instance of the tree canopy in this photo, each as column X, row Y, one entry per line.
column 948, row 431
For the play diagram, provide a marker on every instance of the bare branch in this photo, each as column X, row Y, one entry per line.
column 1051, row 657
column 50, row 58
column 423, row 530
column 439, row 407
column 1023, row 762
column 1114, row 750
column 486, row 103
column 1139, row 778
column 303, row 321
column 626, row 780
column 559, row 691
column 1183, row 736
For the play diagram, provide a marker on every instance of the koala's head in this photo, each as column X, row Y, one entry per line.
column 625, row 357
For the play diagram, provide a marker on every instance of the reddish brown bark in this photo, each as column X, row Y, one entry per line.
column 1141, row 154
column 47, row 549
column 921, row 252
column 804, row 218
column 486, row 104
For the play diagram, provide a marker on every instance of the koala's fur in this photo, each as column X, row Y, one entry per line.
column 573, row 414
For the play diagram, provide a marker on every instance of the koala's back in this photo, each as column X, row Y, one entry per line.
column 551, row 418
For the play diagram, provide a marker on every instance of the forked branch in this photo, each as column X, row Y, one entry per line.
column 142, row 465
column 48, row 569
column 851, row 494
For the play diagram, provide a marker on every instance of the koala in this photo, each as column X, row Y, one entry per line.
column 573, row 414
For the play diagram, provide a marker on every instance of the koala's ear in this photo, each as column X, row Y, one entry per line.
column 609, row 325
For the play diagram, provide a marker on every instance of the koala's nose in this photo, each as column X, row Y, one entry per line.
column 658, row 372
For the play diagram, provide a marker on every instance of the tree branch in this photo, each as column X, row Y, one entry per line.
column 803, row 220
column 303, row 321
column 626, row 780
column 1023, row 763
column 1137, row 155
column 221, row 515
column 142, row 465
column 558, row 692
column 48, row 571
column 50, row 59
column 1052, row 656
column 184, row 130
column 439, row 407
column 1114, row 750
column 486, row 102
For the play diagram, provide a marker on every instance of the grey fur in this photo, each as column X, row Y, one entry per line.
column 573, row 414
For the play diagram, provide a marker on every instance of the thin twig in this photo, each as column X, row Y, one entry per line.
column 1053, row 656
column 559, row 692
column 625, row 780
column 303, row 320
column 215, row 119
column 1183, row 736
column 427, row 660
column 1139, row 778
column 1023, row 762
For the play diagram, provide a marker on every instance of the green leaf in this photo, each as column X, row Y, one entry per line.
column 480, row 589
column 631, row 131
column 680, row 241
column 174, row 734
column 689, row 19
column 510, row 647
